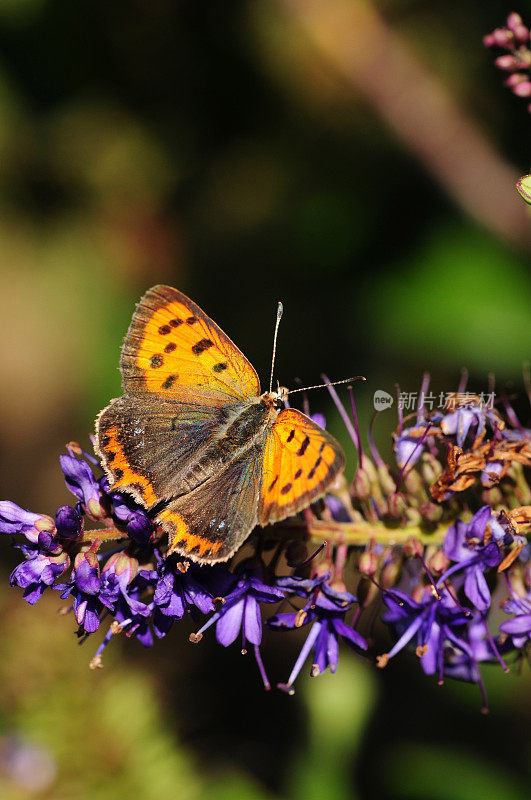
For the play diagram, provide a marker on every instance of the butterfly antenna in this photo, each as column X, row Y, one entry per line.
column 323, row 385
column 280, row 311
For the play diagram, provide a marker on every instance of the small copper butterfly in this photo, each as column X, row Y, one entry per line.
column 195, row 441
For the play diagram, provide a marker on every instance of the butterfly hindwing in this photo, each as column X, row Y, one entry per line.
column 174, row 350
column 300, row 461
column 210, row 523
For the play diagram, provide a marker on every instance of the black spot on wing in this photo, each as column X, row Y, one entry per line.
column 201, row 346
column 304, row 446
column 174, row 323
column 170, row 347
column 298, row 474
column 287, row 488
column 191, row 320
column 220, row 367
column 272, row 484
column 156, row 361
column 170, row 380
column 164, row 330
column 313, row 469
column 291, row 435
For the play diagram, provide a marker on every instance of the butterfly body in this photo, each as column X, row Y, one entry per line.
column 193, row 439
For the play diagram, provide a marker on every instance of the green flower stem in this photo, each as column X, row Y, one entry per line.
column 361, row 533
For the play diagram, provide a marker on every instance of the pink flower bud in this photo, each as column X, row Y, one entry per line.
column 514, row 20
column 507, row 62
column 516, row 25
column 489, row 40
column 515, row 79
column 503, row 37
column 522, row 89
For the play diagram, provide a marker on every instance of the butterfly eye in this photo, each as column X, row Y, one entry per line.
column 279, row 404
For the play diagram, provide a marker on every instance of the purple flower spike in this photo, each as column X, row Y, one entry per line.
column 14, row 519
column 68, row 522
column 80, row 480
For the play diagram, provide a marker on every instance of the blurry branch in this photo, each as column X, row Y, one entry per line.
column 353, row 39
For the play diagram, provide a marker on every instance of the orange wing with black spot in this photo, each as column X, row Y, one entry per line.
column 300, row 461
column 173, row 349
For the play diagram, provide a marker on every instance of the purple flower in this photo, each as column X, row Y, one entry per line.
column 132, row 614
column 464, row 545
column 464, row 665
column 519, row 627
column 409, row 445
column 38, row 571
column 469, row 418
column 241, row 609
column 85, row 585
column 80, row 480
column 176, row 592
column 325, row 609
column 14, row 519
column 434, row 624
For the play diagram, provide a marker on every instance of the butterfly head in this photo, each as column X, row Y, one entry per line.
column 276, row 400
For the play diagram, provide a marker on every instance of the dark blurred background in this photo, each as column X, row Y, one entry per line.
column 355, row 160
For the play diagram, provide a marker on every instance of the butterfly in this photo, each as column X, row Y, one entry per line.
column 195, row 441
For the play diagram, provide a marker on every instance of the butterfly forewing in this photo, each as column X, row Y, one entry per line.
column 173, row 349
column 300, row 461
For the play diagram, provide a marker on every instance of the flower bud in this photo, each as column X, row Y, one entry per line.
column 503, row 37
column 516, row 25
column 439, row 561
column 413, row 547
column 396, row 505
column 68, row 522
column 431, row 512
column 515, row 79
column 430, row 468
column 391, row 574
column 522, row 89
column 361, row 485
column 124, row 567
column 140, row 527
column 524, row 188
column 412, row 482
column 14, row 519
column 508, row 62
column 368, row 562
column 386, row 481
